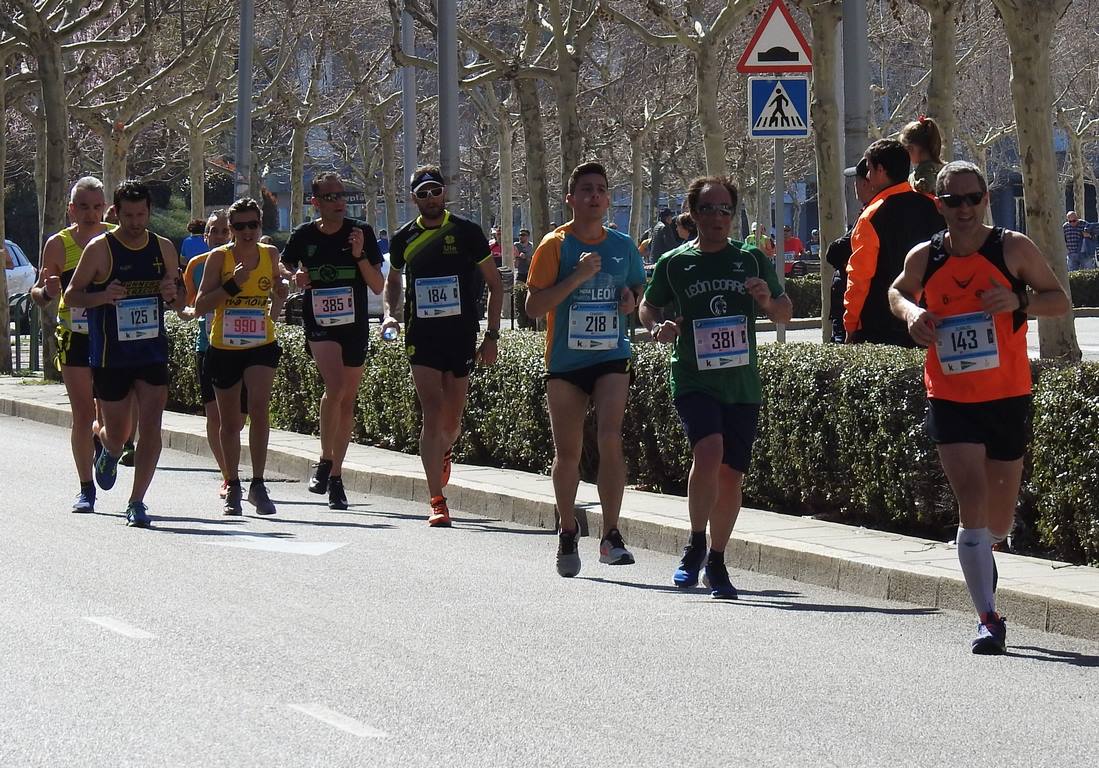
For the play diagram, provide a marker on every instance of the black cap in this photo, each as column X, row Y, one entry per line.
column 423, row 178
column 861, row 169
column 665, row 213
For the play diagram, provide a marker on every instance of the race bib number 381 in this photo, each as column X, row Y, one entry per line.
column 967, row 343
column 721, row 342
column 138, row 318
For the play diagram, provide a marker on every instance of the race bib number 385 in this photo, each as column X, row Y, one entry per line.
column 721, row 342
column 593, row 325
column 138, row 318
column 334, row 306
column 967, row 343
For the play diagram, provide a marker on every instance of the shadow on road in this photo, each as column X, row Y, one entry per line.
column 831, row 607
column 482, row 525
column 1048, row 654
column 692, row 591
column 323, row 523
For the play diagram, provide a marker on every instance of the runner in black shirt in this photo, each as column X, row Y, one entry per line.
column 335, row 260
column 444, row 258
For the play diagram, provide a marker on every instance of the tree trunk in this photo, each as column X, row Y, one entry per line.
column 5, row 317
column 504, row 132
column 196, row 162
column 568, row 119
column 656, row 181
column 1030, row 28
column 116, row 149
column 389, row 176
column 713, row 130
column 51, row 76
column 1076, row 161
column 484, row 192
column 942, row 85
column 297, row 174
column 637, row 183
column 530, row 113
column 825, row 112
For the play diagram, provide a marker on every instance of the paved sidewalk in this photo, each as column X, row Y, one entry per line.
column 1046, row 595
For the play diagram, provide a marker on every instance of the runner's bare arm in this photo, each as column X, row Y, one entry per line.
column 394, row 299
column 93, row 267
column 906, row 290
column 171, row 287
column 211, row 292
column 48, row 286
column 1048, row 298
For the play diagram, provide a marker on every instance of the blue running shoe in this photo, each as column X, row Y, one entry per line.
column 85, row 500
column 686, row 575
column 97, row 446
column 137, row 515
column 106, row 470
column 716, row 579
column 991, row 637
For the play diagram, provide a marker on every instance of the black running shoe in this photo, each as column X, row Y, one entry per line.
column 318, row 483
column 716, row 577
column 337, row 499
column 991, row 637
column 233, row 497
column 568, row 558
column 612, row 549
column 127, row 457
column 258, row 498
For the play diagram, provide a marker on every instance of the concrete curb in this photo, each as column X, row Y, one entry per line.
column 900, row 572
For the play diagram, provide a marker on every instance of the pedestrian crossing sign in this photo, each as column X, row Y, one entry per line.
column 778, row 108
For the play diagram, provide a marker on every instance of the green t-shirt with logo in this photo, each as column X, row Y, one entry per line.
column 716, row 349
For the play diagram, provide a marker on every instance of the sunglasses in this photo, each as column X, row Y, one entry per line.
column 955, row 201
column 424, row 194
column 331, row 197
column 240, row 226
column 709, row 210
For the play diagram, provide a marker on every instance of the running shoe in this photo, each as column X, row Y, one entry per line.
column 106, row 470
column 233, row 496
column 568, row 557
column 440, row 513
column 137, row 515
column 318, row 483
column 85, row 500
column 612, row 549
column 337, row 497
column 686, row 575
column 127, row 457
column 448, row 458
column 224, row 488
column 97, row 447
column 991, row 637
column 258, row 498
column 716, row 578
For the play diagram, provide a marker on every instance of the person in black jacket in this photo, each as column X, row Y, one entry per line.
column 839, row 252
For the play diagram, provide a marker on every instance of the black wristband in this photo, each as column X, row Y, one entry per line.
column 230, row 287
column 1024, row 299
column 493, row 335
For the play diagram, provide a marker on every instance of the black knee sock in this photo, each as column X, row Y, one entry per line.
column 698, row 539
column 715, row 557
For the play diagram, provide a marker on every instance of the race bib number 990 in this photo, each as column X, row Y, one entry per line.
column 138, row 318
column 967, row 343
column 334, row 306
column 438, row 297
column 244, row 327
column 593, row 325
column 721, row 342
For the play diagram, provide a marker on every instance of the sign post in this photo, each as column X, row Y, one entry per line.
column 778, row 107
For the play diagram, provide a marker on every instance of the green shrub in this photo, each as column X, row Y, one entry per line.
column 804, row 292
column 1084, row 285
column 841, row 430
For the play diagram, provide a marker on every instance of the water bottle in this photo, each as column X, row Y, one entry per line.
column 390, row 333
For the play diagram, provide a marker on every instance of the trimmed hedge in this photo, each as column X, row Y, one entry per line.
column 804, row 292
column 841, row 431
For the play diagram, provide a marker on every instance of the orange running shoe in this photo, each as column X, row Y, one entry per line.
column 440, row 514
column 224, row 488
column 447, row 458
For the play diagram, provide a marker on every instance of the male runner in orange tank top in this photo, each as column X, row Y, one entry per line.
column 966, row 295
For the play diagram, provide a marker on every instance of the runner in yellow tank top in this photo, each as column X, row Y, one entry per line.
column 59, row 259
column 243, row 287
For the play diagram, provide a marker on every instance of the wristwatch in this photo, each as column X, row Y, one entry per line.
column 491, row 334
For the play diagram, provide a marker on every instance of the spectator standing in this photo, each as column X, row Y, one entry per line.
column 523, row 250
column 924, row 144
column 1074, row 241
column 839, row 253
column 665, row 238
column 1090, row 243
column 897, row 218
column 194, row 243
column 495, row 248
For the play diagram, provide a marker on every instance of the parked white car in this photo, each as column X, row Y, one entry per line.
column 22, row 274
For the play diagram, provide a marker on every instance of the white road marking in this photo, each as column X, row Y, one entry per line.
column 339, row 720
column 270, row 544
column 120, row 627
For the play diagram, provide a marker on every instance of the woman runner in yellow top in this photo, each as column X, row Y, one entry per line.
column 242, row 286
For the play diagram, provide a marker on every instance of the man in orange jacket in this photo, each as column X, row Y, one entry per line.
column 896, row 219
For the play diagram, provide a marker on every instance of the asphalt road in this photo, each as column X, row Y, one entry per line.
column 363, row 638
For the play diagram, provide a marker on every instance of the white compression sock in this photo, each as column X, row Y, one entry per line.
column 975, row 557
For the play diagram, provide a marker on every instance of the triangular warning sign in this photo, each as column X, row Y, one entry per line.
column 777, row 45
column 779, row 111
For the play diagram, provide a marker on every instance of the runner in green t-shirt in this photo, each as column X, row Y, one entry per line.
column 715, row 285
